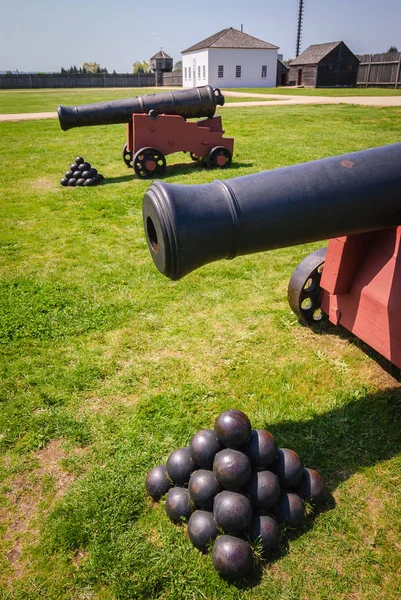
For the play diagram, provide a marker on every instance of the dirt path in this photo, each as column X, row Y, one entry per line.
column 260, row 100
column 280, row 100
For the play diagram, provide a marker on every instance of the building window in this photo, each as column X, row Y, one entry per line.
column 185, row 73
column 204, row 72
column 238, row 71
column 264, row 71
column 220, row 71
column 199, row 72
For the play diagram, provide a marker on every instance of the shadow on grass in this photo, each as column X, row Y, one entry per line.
column 122, row 179
column 338, row 443
column 174, row 170
column 184, row 168
column 327, row 328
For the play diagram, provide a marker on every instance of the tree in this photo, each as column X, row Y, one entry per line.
column 178, row 66
column 93, row 67
column 393, row 49
column 140, row 67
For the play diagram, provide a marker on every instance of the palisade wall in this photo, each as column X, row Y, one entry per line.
column 88, row 80
column 379, row 70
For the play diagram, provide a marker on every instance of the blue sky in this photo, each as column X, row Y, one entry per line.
column 44, row 35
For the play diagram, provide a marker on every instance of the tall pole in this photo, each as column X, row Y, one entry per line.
column 299, row 27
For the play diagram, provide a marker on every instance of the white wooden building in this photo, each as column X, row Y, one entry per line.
column 230, row 58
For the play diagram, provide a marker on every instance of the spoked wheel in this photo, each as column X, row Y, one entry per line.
column 304, row 291
column 127, row 156
column 218, row 157
column 149, row 162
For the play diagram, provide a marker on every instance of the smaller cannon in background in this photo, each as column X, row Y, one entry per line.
column 354, row 199
column 157, row 126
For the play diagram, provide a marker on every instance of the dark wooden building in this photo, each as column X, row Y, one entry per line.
column 161, row 62
column 282, row 74
column 325, row 65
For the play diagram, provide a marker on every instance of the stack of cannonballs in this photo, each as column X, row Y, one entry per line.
column 234, row 486
column 81, row 173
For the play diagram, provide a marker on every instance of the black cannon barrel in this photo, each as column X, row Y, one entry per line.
column 188, row 226
column 192, row 103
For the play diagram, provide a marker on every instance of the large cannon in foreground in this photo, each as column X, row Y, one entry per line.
column 156, row 127
column 354, row 199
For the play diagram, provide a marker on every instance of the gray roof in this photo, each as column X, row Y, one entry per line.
column 160, row 54
column 231, row 38
column 314, row 54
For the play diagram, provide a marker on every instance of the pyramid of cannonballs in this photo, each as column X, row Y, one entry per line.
column 81, row 173
column 235, row 486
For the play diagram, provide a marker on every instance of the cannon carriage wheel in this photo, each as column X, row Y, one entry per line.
column 127, row 156
column 218, row 157
column 149, row 162
column 304, row 291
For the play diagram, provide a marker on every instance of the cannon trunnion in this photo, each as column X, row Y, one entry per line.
column 354, row 199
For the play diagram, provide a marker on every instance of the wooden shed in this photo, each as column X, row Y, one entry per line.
column 282, row 74
column 325, row 65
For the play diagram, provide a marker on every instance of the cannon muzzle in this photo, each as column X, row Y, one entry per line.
column 188, row 226
column 193, row 103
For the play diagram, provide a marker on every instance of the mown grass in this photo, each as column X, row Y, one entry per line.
column 27, row 101
column 290, row 90
column 114, row 366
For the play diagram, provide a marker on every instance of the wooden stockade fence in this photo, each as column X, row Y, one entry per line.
column 379, row 70
column 86, row 80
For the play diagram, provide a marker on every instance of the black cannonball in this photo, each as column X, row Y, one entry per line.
column 203, row 487
column 232, row 468
column 312, row 487
column 89, row 182
column 179, row 464
column 85, row 166
column 202, row 529
column 288, row 467
column 73, row 167
column 76, row 174
column 157, row 483
column 232, row 557
column 263, row 489
column 86, row 175
column 290, row 509
column 232, row 428
column 64, row 181
column 93, row 171
column 96, row 179
column 79, row 160
column 261, row 448
column 72, row 182
column 68, row 174
column 232, row 511
column 80, row 181
column 179, row 505
column 265, row 528
column 101, row 176
column 204, row 446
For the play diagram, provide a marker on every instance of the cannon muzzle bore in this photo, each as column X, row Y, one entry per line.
column 188, row 226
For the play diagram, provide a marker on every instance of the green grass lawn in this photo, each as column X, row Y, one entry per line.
column 294, row 91
column 107, row 367
column 26, row 101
